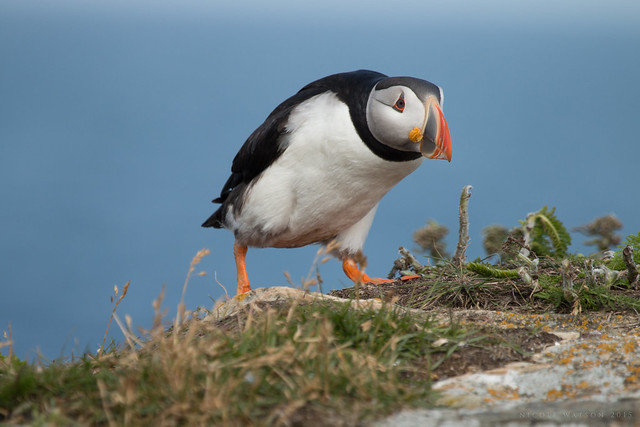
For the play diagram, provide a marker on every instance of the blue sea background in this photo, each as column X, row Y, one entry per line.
column 119, row 121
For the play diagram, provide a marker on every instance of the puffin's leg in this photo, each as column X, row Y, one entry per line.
column 351, row 270
column 240, row 253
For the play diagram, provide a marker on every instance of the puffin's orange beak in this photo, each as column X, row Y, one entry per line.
column 436, row 140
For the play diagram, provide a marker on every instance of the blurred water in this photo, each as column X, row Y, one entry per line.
column 116, row 129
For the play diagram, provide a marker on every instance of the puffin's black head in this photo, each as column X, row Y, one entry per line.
column 405, row 113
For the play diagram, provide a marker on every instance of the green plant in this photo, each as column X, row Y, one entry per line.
column 489, row 271
column 616, row 262
column 545, row 234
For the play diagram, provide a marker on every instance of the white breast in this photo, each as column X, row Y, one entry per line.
column 325, row 181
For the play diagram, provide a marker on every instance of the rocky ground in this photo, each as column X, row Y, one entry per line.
column 559, row 369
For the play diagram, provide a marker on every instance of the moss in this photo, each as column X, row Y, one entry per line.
column 486, row 270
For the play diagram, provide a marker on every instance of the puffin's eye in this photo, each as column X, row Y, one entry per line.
column 399, row 105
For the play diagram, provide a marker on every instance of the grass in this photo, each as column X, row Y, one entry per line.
column 294, row 363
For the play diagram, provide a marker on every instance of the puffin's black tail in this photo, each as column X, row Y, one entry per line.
column 215, row 220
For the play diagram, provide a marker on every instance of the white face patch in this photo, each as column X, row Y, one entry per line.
column 392, row 125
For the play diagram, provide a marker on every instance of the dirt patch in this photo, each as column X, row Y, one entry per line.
column 497, row 348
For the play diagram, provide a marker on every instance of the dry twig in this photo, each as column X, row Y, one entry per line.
column 463, row 233
column 125, row 288
column 632, row 269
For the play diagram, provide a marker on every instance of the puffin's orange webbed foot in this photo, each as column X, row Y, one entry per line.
column 240, row 253
column 353, row 272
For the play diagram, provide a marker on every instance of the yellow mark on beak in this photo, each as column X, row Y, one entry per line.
column 415, row 135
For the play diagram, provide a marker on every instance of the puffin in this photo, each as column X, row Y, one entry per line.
column 315, row 171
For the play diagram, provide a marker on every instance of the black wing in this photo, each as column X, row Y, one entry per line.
column 259, row 151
